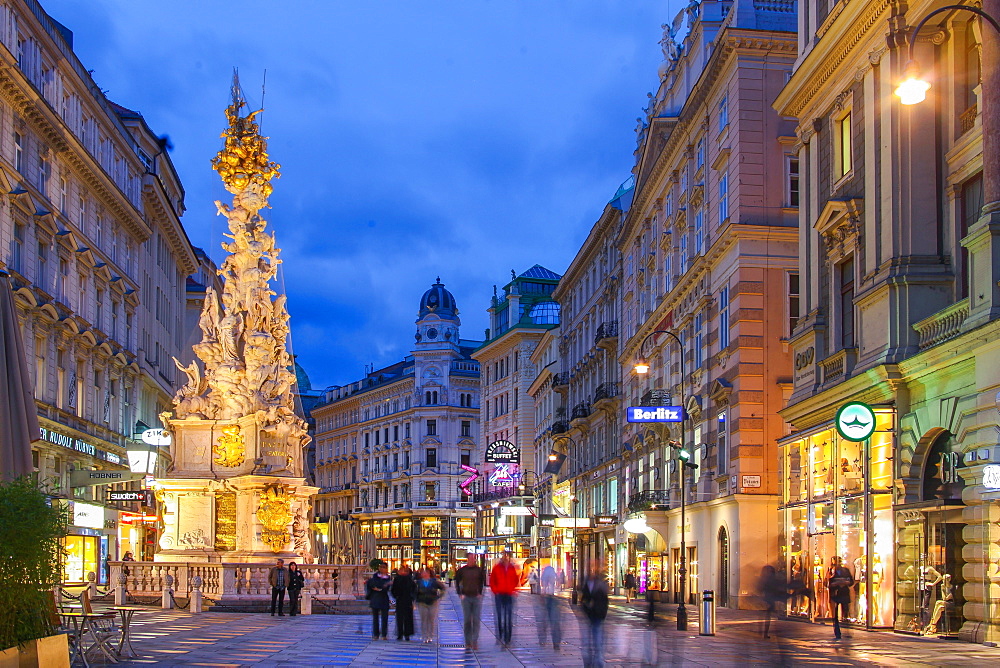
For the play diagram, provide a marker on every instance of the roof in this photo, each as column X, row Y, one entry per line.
column 540, row 272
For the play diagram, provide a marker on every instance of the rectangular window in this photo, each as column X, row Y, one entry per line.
column 723, row 112
column 972, row 205
column 846, row 271
column 467, row 428
column 432, row 427
column 683, row 252
column 19, row 152
column 432, row 458
column 41, row 279
column 793, row 302
column 722, row 446
column 723, row 197
column 844, row 155
column 466, row 458
column 63, row 195
column 395, row 432
column 792, row 181
column 44, row 174
column 406, row 429
column 430, row 494
column 699, row 161
column 668, row 272
column 699, row 356
column 17, row 247
column 699, row 232
column 724, row 317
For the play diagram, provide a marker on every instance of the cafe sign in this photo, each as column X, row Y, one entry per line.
column 502, row 452
column 855, row 421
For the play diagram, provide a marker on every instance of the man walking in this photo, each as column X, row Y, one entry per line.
column 278, row 579
column 595, row 605
column 549, row 619
column 504, row 580
column 839, row 582
column 470, row 581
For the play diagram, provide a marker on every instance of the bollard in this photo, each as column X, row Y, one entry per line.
column 167, row 603
column 196, row 594
column 707, row 613
column 122, row 589
column 306, row 603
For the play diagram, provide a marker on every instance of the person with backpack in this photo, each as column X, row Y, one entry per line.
column 377, row 592
column 429, row 592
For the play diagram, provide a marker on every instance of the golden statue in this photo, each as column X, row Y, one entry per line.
column 275, row 513
column 230, row 449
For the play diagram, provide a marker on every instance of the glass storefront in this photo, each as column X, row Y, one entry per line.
column 82, row 556
column 837, row 503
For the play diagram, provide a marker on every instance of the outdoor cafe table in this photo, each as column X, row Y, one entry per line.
column 126, row 640
column 79, row 622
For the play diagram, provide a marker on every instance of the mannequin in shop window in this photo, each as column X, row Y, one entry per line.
column 861, row 586
column 851, row 475
column 942, row 605
column 927, row 578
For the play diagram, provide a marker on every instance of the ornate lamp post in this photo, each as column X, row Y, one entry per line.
column 642, row 367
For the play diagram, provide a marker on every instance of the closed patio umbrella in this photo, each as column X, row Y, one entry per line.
column 18, row 415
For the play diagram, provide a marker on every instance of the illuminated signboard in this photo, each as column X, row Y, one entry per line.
column 654, row 414
column 855, row 421
column 88, row 515
column 504, row 475
column 502, row 452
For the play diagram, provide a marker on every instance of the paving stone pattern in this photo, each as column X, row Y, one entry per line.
column 223, row 640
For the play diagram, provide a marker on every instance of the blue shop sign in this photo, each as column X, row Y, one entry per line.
column 655, row 414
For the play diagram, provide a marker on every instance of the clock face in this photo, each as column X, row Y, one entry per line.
column 432, row 333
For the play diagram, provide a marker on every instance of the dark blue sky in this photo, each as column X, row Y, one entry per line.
column 418, row 138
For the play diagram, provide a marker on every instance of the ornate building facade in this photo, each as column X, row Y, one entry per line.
column 504, row 494
column 899, row 276
column 92, row 238
column 390, row 447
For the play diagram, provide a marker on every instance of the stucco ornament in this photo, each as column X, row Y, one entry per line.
column 247, row 367
column 274, row 513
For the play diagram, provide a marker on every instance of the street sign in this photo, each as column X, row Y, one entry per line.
column 156, row 437
column 751, row 481
column 654, row 414
column 855, row 421
column 90, row 478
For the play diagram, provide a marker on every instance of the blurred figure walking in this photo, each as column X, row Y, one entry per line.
column 629, row 586
column 470, row 581
column 403, row 590
column 773, row 589
column 595, row 605
column 839, row 582
column 429, row 592
column 549, row 620
column 504, row 580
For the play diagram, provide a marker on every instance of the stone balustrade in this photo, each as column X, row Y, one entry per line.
column 943, row 325
column 235, row 581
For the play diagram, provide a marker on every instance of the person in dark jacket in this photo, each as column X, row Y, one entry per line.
column 403, row 589
column 470, row 581
column 773, row 590
column 594, row 602
column 629, row 586
column 296, row 580
column 839, row 582
column 377, row 592
column 429, row 592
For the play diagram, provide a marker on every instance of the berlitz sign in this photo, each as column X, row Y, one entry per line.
column 655, row 414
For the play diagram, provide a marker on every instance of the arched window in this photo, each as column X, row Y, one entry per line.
column 722, row 595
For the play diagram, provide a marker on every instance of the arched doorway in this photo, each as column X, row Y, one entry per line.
column 722, row 593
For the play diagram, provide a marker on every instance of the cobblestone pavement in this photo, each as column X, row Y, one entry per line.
column 220, row 640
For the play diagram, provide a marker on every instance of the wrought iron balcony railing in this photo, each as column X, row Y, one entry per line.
column 581, row 411
column 607, row 330
column 606, row 391
column 648, row 499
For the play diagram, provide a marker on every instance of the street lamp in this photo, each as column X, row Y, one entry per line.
column 576, row 550
column 913, row 89
column 642, row 367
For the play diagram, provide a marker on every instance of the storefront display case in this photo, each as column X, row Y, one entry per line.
column 837, row 502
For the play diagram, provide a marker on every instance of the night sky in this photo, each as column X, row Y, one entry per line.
column 417, row 138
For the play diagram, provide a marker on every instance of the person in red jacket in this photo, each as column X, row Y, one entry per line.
column 504, row 580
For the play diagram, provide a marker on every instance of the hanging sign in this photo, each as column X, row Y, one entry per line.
column 89, row 478
column 502, row 452
column 991, row 476
column 655, row 414
column 855, row 421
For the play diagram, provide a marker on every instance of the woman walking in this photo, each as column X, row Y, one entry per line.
column 403, row 589
column 429, row 591
column 296, row 580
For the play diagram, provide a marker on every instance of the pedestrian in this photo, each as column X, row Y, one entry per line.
column 561, row 580
column 429, row 592
column 533, row 580
column 504, row 580
column 128, row 557
column 403, row 588
column 377, row 593
column 549, row 620
column 839, row 582
column 450, row 576
column 296, row 580
column 277, row 577
column 470, row 581
column 594, row 602
column 629, row 583
column 773, row 590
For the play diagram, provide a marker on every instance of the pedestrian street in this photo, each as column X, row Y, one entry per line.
column 221, row 640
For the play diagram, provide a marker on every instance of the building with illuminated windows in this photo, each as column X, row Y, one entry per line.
column 900, row 319
column 92, row 239
column 390, row 447
column 505, row 493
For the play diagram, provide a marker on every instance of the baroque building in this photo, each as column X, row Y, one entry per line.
column 390, row 447
column 505, row 491
column 899, row 318
column 92, row 238
column 708, row 250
